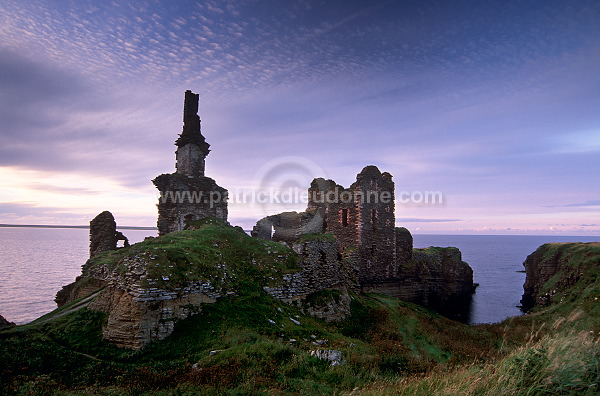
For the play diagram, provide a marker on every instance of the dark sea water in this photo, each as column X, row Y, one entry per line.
column 495, row 260
column 36, row 262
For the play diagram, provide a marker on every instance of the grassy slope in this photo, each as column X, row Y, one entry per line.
column 397, row 346
column 553, row 350
column 384, row 336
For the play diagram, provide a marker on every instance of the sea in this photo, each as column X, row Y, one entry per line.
column 36, row 262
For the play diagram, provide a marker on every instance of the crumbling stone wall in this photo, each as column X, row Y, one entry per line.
column 321, row 269
column 188, row 194
column 288, row 226
column 361, row 218
column 103, row 233
column 404, row 245
column 185, row 199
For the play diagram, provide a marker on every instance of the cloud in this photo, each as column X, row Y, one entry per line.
column 10, row 210
column 33, row 94
column 591, row 203
column 587, row 203
column 467, row 99
column 60, row 190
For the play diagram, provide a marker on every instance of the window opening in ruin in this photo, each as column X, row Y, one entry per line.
column 373, row 248
column 344, row 217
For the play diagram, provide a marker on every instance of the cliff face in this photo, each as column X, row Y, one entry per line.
column 433, row 277
column 555, row 268
column 148, row 287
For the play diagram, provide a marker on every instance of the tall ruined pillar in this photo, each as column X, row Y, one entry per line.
column 188, row 194
column 192, row 148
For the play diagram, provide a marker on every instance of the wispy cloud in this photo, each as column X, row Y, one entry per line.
column 585, row 204
column 482, row 100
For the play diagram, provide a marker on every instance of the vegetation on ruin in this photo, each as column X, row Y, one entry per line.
column 251, row 343
column 325, row 236
column 210, row 251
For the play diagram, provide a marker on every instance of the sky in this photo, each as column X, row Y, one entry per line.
column 491, row 108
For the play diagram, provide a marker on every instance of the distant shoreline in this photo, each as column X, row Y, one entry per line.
column 68, row 226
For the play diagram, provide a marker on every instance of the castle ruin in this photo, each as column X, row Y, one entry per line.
column 361, row 217
column 188, row 194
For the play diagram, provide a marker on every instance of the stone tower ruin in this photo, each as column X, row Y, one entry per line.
column 188, row 194
column 361, row 217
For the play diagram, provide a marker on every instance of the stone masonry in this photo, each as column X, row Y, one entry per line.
column 188, row 194
column 103, row 233
column 361, row 217
column 380, row 255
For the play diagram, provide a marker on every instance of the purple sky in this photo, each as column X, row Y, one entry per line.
column 494, row 105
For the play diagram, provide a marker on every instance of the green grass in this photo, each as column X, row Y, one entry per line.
column 212, row 251
column 554, row 350
column 248, row 343
column 253, row 353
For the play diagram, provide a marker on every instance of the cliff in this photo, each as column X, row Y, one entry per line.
column 556, row 272
column 434, row 277
column 148, row 287
column 253, row 343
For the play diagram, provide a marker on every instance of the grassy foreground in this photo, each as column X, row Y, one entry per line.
column 252, row 344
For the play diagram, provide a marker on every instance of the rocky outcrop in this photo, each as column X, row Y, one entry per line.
column 555, row 268
column 5, row 323
column 133, row 321
column 434, row 277
column 149, row 287
column 82, row 287
column 140, row 303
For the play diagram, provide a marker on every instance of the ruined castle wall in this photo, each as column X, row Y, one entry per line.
column 362, row 219
column 340, row 211
column 190, row 160
column 321, row 269
column 188, row 198
column 103, row 233
column 288, row 226
column 377, row 246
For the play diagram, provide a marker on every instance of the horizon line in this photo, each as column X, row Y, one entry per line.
column 148, row 228
column 71, row 226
